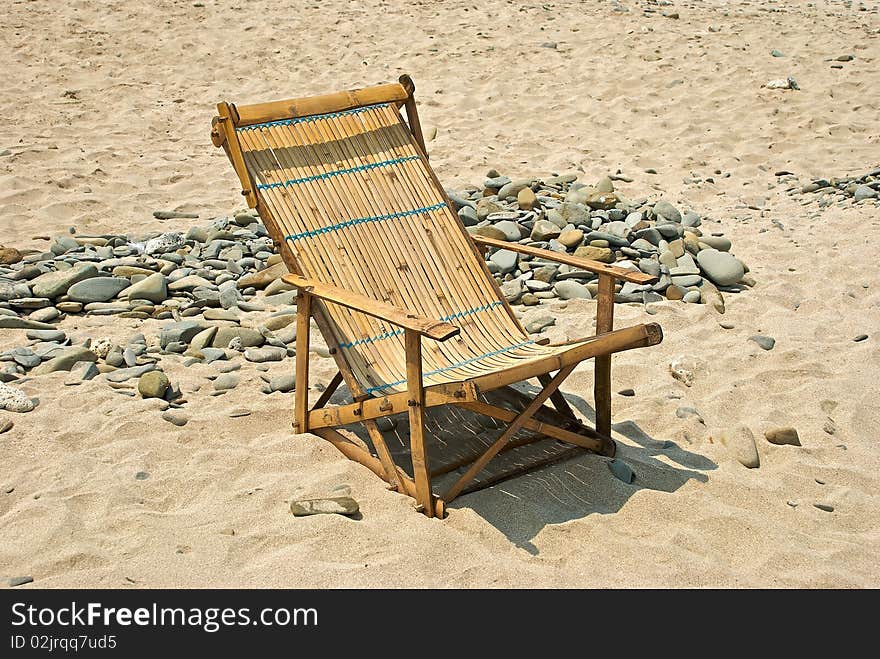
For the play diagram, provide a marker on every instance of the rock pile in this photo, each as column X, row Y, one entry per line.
column 863, row 189
column 209, row 284
column 596, row 222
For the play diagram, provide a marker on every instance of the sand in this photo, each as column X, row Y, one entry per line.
column 107, row 115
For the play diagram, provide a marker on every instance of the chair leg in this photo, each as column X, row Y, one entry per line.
column 602, row 380
column 416, row 402
column 301, row 391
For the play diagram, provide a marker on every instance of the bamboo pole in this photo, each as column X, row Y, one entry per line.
column 301, row 392
column 424, row 497
column 508, row 433
column 602, row 381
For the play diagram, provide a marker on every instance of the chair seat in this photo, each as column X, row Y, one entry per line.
column 514, row 363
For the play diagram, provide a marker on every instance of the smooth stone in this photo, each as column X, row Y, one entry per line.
column 229, row 298
column 97, row 289
column 686, row 281
column 721, row 267
column 468, row 216
column 226, row 381
column 529, row 300
column 203, row 338
column 766, row 342
column 176, row 417
column 545, row 273
column 571, row 213
column 489, row 231
column 123, row 374
column 864, row 192
column 622, row 471
column 505, row 259
column 513, row 290
column 643, row 245
column 720, row 243
column 9, row 255
column 512, row 189
column 496, row 182
column 681, row 271
column 526, row 199
column 691, row 297
column 20, row 581
column 13, row 399
column 861, row 337
column 25, row 357
column 54, row 284
column 179, row 332
column 539, row 323
column 153, row 288
column 486, row 206
column 69, row 307
column 129, row 271
column 571, row 238
column 614, row 241
column 46, row 335
column 239, row 412
column 153, row 384
column 247, row 337
column 26, row 303
column 544, row 230
column 265, row 354
column 6, row 425
column 740, row 442
column 82, row 372
column 329, row 506
column 210, row 355
column 627, row 392
column 826, row 507
column 664, row 209
column 786, row 436
column 275, row 323
column 65, row 359
column 691, row 219
column 601, row 254
column 674, row 292
column 14, row 322
column 46, row 315
column 649, row 267
column 277, row 286
column 220, row 314
column 570, row 289
column 601, row 200
column 188, row 283
column 283, row 383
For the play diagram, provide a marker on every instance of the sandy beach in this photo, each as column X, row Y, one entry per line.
column 108, row 120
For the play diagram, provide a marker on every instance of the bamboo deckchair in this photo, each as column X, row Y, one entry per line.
column 398, row 288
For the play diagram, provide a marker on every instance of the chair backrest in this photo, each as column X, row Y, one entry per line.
column 358, row 206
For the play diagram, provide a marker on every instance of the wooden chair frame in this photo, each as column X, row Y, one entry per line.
column 326, row 421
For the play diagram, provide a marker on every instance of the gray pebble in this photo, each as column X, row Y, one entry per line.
column 766, row 342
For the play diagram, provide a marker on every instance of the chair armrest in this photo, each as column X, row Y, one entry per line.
column 433, row 329
column 575, row 261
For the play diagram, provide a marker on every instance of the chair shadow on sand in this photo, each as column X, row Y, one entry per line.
column 577, row 485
